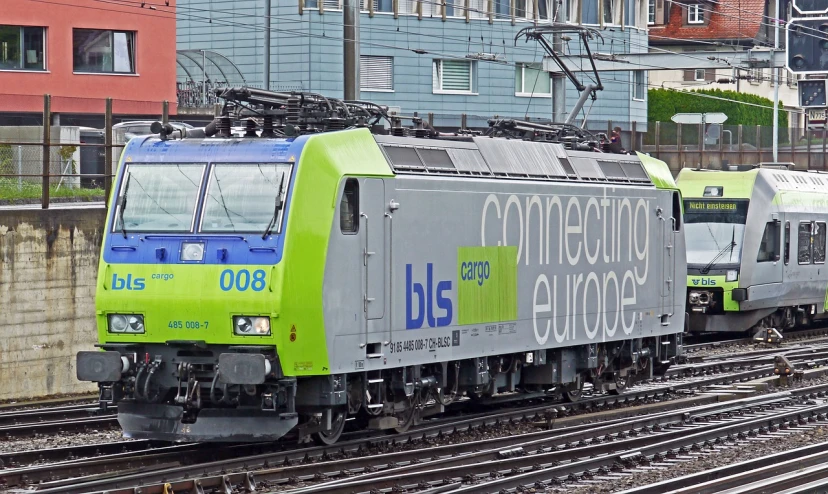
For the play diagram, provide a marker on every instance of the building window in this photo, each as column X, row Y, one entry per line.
column 376, row 73
column 695, row 14
column 21, row 48
column 651, row 12
column 453, row 76
column 699, row 75
column 531, row 80
column 607, row 11
column 101, row 51
column 639, row 86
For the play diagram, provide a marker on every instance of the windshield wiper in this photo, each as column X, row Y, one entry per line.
column 123, row 206
column 731, row 245
column 277, row 206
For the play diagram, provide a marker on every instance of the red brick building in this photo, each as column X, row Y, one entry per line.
column 84, row 51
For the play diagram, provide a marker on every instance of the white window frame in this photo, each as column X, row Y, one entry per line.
column 635, row 84
column 651, row 12
column 438, row 72
column 528, row 93
column 703, row 73
column 391, row 75
column 695, row 14
column 20, row 28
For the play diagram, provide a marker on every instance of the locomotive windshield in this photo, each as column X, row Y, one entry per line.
column 245, row 198
column 714, row 230
column 158, row 198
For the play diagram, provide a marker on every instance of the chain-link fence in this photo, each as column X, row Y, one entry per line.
column 45, row 164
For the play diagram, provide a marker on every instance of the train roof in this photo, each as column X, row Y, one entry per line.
column 478, row 157
column 741, row 183
column 516, row 159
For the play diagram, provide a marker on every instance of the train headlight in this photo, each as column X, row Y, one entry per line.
column 732, row 275
column 126, row 323
column 192, row 251
column 251, row 326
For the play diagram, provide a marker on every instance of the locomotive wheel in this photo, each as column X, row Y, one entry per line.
column 406, row 417
column 620, row 384
column 329, row 437
column 572, row 392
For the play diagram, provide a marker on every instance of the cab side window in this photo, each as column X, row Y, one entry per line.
column 769, row 246
column 803, row 243
column 349, row 207
column 819, row 242
column 787, row 242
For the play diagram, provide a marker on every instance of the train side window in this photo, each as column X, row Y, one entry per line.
column 803, row 243
column 348, row 207
column 819, row 242
column 676, row 212
column 787, row 242
column 769, row 246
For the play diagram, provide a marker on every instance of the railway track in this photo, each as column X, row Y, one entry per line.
column 792, row 336
column 174, row 466
column 799, row 470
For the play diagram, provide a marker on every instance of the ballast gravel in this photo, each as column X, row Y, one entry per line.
column 50, row 441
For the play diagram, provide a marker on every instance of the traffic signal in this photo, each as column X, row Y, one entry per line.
column 805, row 7
column 808, row 45
column 812, row 93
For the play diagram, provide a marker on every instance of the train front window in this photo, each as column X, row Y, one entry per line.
column 714, row 231
column 245, row 198
column 158, row 198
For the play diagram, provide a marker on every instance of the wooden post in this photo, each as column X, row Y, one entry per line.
column 443, row 13
column 165, row 112
column 658, row 140
column 462, row 120
column 370, row 8
column 419, row 10
column 321, row 5
column 431, row 119
column 678, row 141
column 741, row 146
column 467, row 3
column 512, row 10
column 633, row 135
column 395, row 4
column 47, row 146
column 535, row 11
column 490, row 8
column 759, row 142
column 301, row 7
column 108, row 147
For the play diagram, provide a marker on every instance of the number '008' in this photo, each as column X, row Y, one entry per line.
column 242, row 280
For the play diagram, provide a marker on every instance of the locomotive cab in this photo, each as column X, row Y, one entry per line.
column 741, row 227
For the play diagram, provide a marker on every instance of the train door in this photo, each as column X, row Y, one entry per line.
column 671, row 229
column 774, row 251
column 372, row 213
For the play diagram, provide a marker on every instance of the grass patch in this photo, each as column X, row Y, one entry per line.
column 12, row 192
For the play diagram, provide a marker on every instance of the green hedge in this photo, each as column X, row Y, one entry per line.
column 664, row 103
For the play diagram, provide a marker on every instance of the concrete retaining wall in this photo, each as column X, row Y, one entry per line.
column 48, row 270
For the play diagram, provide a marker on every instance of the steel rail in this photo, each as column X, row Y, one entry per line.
column 56, row 426
column 41, row 415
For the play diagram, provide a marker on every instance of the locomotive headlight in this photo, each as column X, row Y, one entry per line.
column 251, row 326
column 192, row 251
column 732, row 275
column 126, row 323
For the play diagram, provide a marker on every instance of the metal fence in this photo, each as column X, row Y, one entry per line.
column 45, row 164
